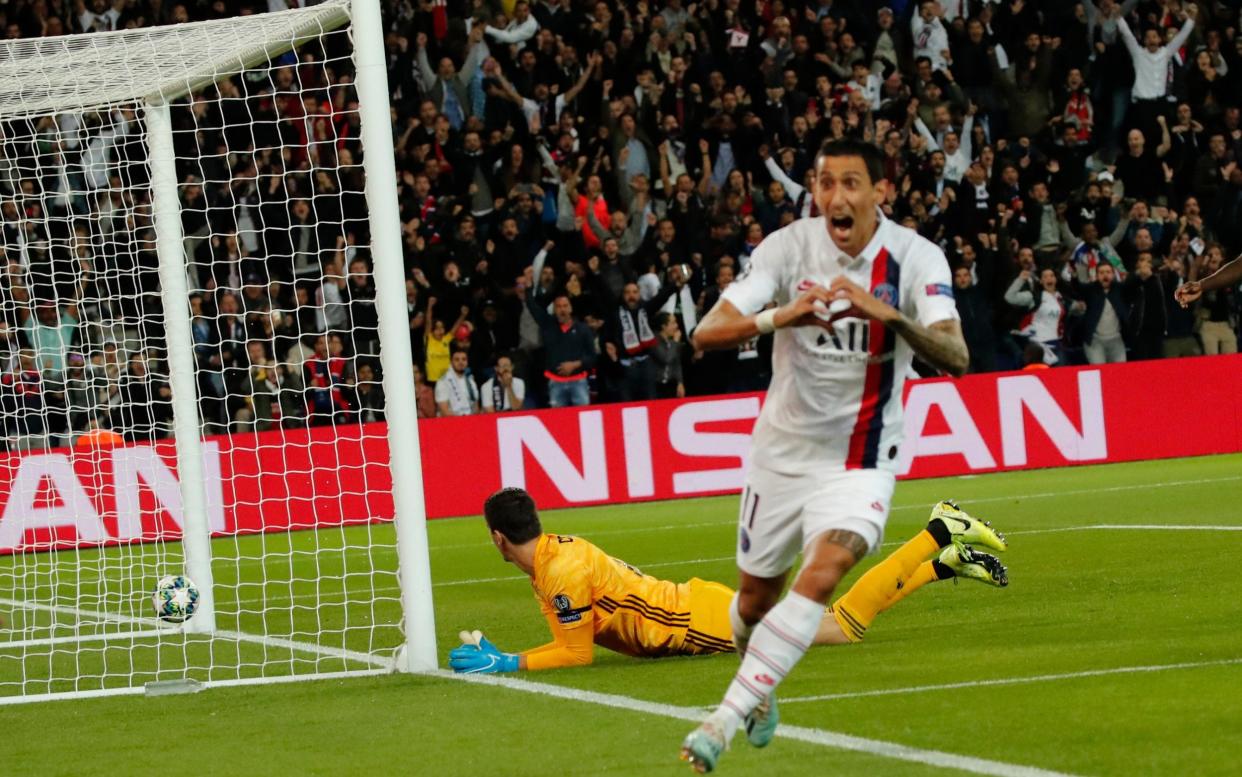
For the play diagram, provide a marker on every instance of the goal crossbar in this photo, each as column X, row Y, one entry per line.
column 56, row 84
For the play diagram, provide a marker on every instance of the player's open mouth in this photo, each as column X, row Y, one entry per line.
column 840, row 227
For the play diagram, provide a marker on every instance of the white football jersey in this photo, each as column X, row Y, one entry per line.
column 836, row 396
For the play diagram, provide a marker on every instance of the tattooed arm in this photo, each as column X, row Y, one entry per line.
column 941, row 345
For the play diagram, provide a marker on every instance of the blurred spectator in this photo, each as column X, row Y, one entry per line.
column 326, row 375
column 1043, row 309
column 447, row 88
column 424, row 396
column 331, row 298
column 1139, row 170
column 667, row 355
column 975, row 309
column 81, row 400
column 1216, row 310
column 22, row 390
column 142, row 403
column 491, row 335
column 502, row 391
column 230, row 348
column 569, row 350
column 1151, row 65
column 262, row 391
column 1147, row 316
column 366, row 401
column 629, row 338
column 50, row 331
column 363, row 320
column 931, row 40
column 1179, row 333
column 437, row 338
column 456, row 392
column 1106, row 318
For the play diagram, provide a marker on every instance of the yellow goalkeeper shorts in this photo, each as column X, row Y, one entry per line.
column 710, row 630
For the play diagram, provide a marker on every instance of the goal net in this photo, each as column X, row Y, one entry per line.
column 201, row 257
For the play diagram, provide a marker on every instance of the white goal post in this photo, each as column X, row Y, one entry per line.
column 205, row 362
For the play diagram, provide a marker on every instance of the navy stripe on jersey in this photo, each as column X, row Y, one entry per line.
column 871, row 450
column 864, row 445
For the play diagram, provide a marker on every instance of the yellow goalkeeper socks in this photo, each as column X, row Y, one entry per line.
column 884, row 584
column 926, row 572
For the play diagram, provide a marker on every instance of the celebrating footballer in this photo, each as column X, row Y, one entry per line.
column 852, row 298
column 857, row 297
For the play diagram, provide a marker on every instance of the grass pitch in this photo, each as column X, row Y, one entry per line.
column 1116, row 650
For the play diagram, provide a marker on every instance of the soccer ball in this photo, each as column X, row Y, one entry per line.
column 175, row 598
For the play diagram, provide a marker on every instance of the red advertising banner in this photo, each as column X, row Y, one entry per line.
column 277, row 481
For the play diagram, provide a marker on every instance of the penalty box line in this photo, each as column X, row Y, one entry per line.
column 815, row 736
column 1039, row 678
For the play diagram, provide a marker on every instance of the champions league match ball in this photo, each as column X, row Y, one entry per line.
column 175, row 598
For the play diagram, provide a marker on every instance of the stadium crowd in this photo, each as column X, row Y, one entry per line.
column 578, row 181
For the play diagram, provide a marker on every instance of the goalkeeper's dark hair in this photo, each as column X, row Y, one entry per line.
column 870, row 153
column 512, row 512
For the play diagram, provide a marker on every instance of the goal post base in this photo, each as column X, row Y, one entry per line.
column 407, row 661
column 172, row 687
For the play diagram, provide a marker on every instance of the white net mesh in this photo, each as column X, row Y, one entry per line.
column 266, row 135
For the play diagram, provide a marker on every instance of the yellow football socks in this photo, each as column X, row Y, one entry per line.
column 885, row 584
column 924, row 574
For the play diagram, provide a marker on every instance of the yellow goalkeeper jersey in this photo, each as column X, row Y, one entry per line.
column 583, row 591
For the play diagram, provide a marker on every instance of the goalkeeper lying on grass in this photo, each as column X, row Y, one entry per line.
column 590, row 598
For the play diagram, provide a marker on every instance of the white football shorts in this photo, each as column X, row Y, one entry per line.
column 781, row 514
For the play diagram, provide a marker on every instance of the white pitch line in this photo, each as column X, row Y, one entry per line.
column 1075, row 492
column 81, row 612
column 469, row 581
column 391, row 549
column 138, row 690
column 513, row 578
column 306, row 647
column 321, row 596
column 656, row 565
column 822, row 737
column 601, row 533
column 1165, row 527
column 1040, row 678
column 100, row 637
column 1128, row 526
column 236, row 636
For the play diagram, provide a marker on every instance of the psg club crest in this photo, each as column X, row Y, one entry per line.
column 886, row 293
